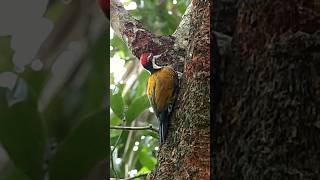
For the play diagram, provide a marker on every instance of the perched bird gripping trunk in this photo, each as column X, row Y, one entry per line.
column 162, row 90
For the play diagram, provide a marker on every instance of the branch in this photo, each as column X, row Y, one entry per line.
column 182, row 33
column 140, row 175
column 134, row 34
column 140, row 40
column 127, row 128
column 112, row 163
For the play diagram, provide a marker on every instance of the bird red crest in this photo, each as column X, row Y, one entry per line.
column 144, row 58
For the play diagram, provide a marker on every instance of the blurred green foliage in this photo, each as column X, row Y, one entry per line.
column 22, row 135
column 134, row 152
column 68, row 138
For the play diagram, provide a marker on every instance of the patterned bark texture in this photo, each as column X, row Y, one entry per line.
column 270, row 107
column 186, row 153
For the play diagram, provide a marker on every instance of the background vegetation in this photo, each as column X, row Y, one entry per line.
column 134, row 152
column 52, row 119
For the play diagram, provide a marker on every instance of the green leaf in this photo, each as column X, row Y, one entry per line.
column 136, row 107
column 119, row 47
column 151, row 133
column 94, row 87
column 115, row 133
column 182, row 6
column 116, row 102
column 142, row 80
column 143, row 76
column 143, row 170
column 147, row 160
column 84, row 147
column 22, row 135
column 114, row 120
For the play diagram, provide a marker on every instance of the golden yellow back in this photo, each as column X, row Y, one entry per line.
column 160, row 88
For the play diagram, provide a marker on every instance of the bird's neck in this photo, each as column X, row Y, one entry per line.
column 150, row 68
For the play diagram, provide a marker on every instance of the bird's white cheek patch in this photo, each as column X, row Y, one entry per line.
column 154, row 65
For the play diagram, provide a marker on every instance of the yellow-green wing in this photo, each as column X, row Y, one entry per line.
column 160, row 88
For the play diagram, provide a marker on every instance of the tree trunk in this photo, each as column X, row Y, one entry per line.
column 186, row 151
column 270, row 107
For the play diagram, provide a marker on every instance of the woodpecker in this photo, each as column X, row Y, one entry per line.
column 162, row 89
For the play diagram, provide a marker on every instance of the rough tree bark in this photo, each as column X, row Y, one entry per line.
column 271, row 85
column 186, row 151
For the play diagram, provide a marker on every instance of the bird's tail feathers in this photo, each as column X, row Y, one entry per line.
column 163, row 127
column 165, row 116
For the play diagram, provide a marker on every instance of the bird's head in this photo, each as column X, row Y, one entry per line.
column 147, row 60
